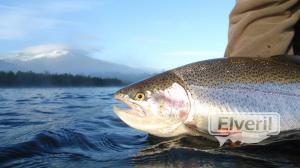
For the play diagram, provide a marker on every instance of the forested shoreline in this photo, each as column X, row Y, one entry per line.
column 31, row 79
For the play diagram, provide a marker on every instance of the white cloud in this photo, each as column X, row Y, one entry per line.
column 20, row 20
column 40, row 51
column 49, row 51
column 15, row 24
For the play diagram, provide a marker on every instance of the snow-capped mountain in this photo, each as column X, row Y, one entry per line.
column 41, row 51
column 62, row 59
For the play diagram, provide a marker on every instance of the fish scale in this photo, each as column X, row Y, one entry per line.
column 245, row 100
column 247, row 85
column 218, row 85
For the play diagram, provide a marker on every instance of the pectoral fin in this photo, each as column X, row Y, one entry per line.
column 196, row 131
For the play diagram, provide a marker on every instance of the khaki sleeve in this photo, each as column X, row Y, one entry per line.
column 262, row 28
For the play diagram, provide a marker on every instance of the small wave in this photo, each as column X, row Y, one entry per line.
column 65, row 141
column 10, row 114
column 105, row 98
column 77, row 107
column 21, row 101
column 81, row 97
column 42, row 111
column 112, row 121
column 18, row 122
column 183, row 151
column 188, row 157
column 46, row 142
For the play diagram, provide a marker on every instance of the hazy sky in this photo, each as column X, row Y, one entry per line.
column 158, row 34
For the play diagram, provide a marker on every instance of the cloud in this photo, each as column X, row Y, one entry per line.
column 49, row 51
column 20, row 20
column 39, row 51
column 16, row 24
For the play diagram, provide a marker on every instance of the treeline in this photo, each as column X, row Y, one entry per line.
column 19, row 79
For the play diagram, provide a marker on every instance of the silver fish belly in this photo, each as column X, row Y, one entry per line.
column 283, row 99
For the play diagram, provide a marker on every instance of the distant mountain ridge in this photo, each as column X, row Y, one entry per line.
column 72, row 61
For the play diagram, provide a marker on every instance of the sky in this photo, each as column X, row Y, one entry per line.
column 154, row 34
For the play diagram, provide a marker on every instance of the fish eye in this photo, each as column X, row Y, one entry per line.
column 140, row 96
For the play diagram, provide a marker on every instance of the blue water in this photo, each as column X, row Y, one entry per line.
column 76, row 127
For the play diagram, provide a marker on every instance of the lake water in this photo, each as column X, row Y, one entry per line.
column 76, row 127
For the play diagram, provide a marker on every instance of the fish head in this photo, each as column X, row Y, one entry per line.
column 158, row 105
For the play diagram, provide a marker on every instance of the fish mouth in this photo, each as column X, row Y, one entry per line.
column 131, row 109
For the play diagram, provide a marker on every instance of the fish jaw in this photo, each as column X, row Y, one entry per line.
column 133, row 116
column 149, row 124
column 133, row 108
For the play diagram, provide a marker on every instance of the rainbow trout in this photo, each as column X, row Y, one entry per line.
column 183, row 100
